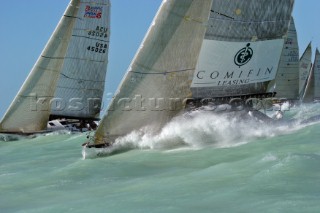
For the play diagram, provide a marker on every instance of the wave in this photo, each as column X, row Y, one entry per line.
column 201, row 129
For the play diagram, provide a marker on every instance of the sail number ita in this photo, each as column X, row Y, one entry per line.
column 101, row 32
column 99, row 48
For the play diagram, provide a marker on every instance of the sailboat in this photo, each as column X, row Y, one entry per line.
column 69, row 73
column 312, row 91
column 305, row 68
column 286, row 83
column 197, row 50
column 158, row 79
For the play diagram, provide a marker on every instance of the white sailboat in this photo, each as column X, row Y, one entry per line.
column 69, row 72
column 312, row 91
column 197, row 50
column 158, row 79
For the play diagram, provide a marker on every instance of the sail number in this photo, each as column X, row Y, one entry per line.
column 99, row 48
column 101, row 32
column 98, row 34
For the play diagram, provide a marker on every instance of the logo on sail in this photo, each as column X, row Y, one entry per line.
column 93, row 12
column 243, row 56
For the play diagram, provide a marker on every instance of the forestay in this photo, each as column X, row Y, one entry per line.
column 236, row 57
column 81, row 82
column 159, row 76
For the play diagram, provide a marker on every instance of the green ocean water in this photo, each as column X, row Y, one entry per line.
column 206, row 163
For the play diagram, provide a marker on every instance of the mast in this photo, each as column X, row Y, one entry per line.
column 235, row 58
column 286, row 84
column 29, row 112
column 158, row 79
column 81, row 81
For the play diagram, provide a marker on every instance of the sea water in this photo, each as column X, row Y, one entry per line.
column 201, row 163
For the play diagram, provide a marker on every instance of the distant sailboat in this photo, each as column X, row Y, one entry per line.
column 305, row 68
column 312, row 91
column 196, row 50
column 69, row 72
column 286, row 83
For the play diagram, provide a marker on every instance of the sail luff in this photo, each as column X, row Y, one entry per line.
column 161, row 71
column 29, row 111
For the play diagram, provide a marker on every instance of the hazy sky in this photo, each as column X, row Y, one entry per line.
column 26, row 26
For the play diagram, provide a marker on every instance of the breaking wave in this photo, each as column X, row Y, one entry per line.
column 200, row 129
column 197, row 130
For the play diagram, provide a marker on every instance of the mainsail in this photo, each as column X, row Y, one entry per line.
column 158, row 78
column 286, row 84
column 30, row 110
column 312, row 91
column 82, row 78
column 242, row 47
column 305, row 67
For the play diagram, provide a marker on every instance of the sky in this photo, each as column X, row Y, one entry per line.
column 27, row 25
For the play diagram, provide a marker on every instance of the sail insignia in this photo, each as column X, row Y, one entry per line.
column 235, row 55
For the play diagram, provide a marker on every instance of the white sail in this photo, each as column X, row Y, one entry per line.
column 64, row 56
column 312, row 91
column 235, row 56
column 161, row 71
column 304, row 67
column 30, row 110
column 286, row 84
column 81, row 84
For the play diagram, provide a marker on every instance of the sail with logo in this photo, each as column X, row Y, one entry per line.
column 312, row 91
column 286, row 83
column 158, row 79
column 75, row 60
column 304, row 70
column 241, row 50
column 81, row 84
